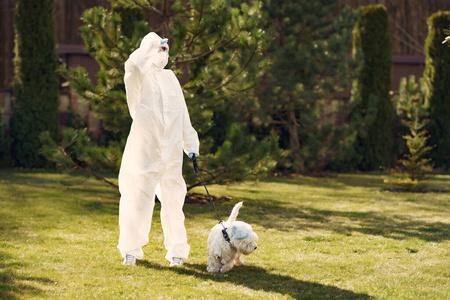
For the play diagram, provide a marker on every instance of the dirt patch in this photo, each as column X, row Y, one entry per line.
column 194, row 198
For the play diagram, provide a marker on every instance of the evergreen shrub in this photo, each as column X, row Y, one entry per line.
column 36, row 80
column 437, row 76
column 374, row 143
column 415, row 167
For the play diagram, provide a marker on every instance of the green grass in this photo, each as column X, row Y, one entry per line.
column 339, row 238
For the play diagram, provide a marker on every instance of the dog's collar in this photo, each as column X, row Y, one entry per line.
column 226, row 236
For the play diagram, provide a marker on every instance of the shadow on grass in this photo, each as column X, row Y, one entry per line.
column 344, row 181
column 272, row 214
column 76, row 181
column 14, row 286
column 259, row 279
column 275, row 214
column 339, row 182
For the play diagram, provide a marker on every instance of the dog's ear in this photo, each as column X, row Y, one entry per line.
column 240, row 231
column 254, row 235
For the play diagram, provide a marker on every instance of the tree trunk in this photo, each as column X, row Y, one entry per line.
column 294, row 141
column 292, row 125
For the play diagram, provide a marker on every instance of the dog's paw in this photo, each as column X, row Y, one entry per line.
column 238, row 262
column 212, row 269
column 226, row 268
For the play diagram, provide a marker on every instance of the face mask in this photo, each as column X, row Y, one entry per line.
column 161, row 60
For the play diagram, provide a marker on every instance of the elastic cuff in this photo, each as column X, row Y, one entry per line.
column 138, row 253
column 180, row 251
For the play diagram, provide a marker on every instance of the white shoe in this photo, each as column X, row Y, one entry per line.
column 130, row 260
column 176, row 261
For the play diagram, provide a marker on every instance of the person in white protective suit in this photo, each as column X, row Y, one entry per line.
column 153, row 156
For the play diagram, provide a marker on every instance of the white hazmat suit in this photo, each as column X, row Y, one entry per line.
column 153, row 156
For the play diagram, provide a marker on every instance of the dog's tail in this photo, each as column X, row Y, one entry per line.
column 234, row 213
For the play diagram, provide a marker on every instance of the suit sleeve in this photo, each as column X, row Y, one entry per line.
column 133, row 82
column 191, row 144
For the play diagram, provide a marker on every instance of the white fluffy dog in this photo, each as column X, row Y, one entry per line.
column 223, row 255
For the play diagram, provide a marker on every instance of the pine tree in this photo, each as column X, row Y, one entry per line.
column 36, row 80
column 371, row 89
column 405, row 108
column 310, row 63
column 437, row 76
column 217, row 56
column 415, row 166
column 215, row 46
column 77, row 151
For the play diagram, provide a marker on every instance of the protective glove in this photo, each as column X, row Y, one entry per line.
column 190, row 155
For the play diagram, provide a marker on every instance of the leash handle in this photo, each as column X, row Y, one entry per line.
column 195, row 165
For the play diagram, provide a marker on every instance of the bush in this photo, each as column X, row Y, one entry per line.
column 414, row 168
column 78, row 151
column 374, row 143
column 36, row 80
column 309, row 65
column 405, row 108
column 239, row 156
column 437, row 76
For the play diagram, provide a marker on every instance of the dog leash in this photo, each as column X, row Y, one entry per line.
column 196, row 170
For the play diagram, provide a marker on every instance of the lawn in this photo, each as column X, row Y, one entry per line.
column 344, row 237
